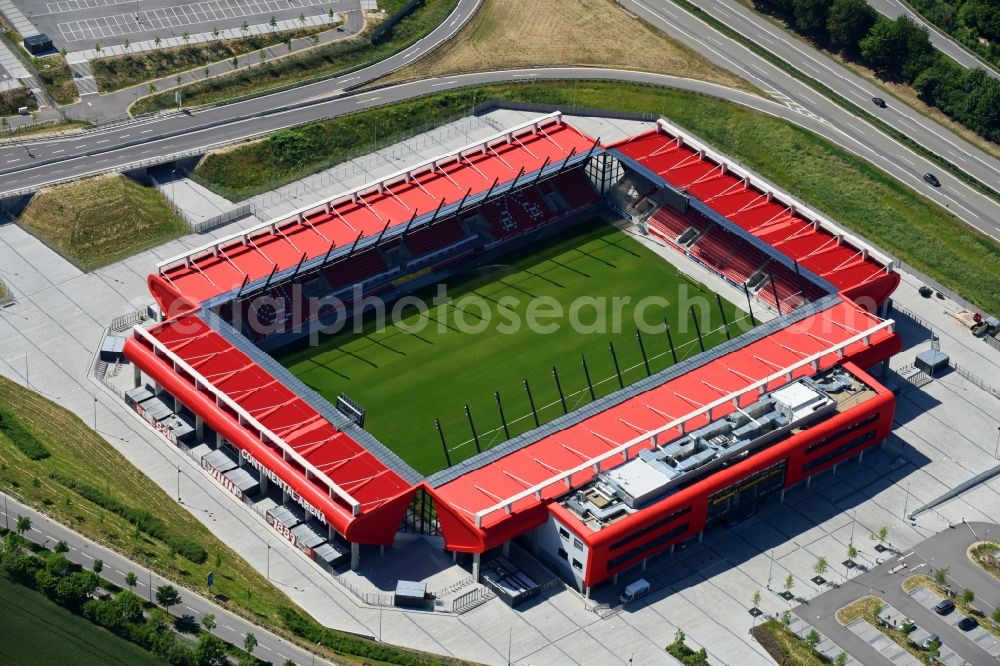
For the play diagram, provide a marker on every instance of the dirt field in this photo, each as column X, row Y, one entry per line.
column 523, row 33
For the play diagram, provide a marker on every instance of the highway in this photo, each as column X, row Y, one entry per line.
column 941, row 41
column 229, row 626
column 35, row 163
column 968, row 204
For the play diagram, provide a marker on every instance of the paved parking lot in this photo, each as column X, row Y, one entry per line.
column 79, row 24
column 984, row 639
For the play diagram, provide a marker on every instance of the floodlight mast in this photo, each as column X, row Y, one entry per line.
column 652, row 435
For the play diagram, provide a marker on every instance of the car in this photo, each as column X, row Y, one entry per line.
column 932, row 179
column 929, row 641
column 944, row 607
column 968, row 624
column 879, row 102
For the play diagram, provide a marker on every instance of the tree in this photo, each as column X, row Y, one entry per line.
column 756, row 599
column 186, row 37
column 941, row 576
column 273, row 23
column 208, row 72
column 167, row 596
column 215, row 31
column 157, row 40
column 245, row 26
column 127, row 607
column 302, row 17
column 883, row 532
column 97, row 47
column 126, row 44
column 263, row 55
column 315, row 40
column 848, row 22
column 810, row 16
column 840, row 660
column 152, row 89
column 329, row 15
column 249, row 642
column 852, row 552
column 786, row 617
column 288, row 662
column 812, row 639
column 208, row 621
column 996, row 615
column 98, row 566
column 821, row 566
column 210, row 651
column 789, row 583
column 23, row 525
column 235, row 61
column 61, row 547
column 130, row 580
column 968, row 596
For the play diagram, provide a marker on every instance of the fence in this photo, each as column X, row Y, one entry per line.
column 370, row 598
column 977, row 381
column 125, row 322
column 216, row 221
column 471, row 599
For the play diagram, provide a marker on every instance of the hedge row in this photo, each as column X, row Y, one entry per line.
column 25, row 442
column 143, row 520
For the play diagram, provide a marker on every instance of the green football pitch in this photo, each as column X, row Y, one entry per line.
column 582, row 290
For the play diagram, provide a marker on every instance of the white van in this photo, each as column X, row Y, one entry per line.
column 635, row 590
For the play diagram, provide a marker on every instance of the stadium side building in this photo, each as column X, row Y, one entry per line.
column 597, row 491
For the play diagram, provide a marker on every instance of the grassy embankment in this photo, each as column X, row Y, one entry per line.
column 117, row 72
column 98, row 221
column 833, row 181
column 785, row 647
column 320, row 62
column 53, row 461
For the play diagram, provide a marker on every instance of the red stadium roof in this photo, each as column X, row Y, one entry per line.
column 533, row 474
column 225, row 264
column 348, row 480
column 751, row 205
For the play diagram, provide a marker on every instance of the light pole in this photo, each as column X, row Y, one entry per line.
column 906, row 503
column 95, row 413
column 178, row 483
column 996, row 454
column 269, row 560
column 770, row 569
column 6, row 513
column 150, row 572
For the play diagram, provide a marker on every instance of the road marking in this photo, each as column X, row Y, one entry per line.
column 56, row 152
column 82, row 145
column 523, row 76
column 905, row 159
column 124, row 136
column 365, row 101
column 446, row 83
column 228, row 627
column 145, row 131
column 103, row 141
column 265, row 647
column 12, row 161
column 190, row 609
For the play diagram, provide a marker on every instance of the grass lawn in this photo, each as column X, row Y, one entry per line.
column 431, row 364
column 527, row 33
column 785, row 647
column 12, row 100
column 321, row 62
column 57, row 78
column 98, row 221
column 839, row 184
column 987, row 555
column 78, row 454
column 119, row 72
column 39, row 631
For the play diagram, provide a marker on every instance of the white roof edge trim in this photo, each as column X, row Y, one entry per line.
column 670, row 425
column 361, row 189
column 777, row 193
column 355, row 505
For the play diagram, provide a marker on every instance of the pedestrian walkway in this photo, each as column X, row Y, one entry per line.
column 83, row 77
column 17, row 19
column 11, row 64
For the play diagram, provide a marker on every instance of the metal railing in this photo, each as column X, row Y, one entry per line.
column 471, row 599
column 995, row 392
column 216, row 221
column 370, row 598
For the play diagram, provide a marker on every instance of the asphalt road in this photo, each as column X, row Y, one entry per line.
column 885, row 152
column 230, row 627
column 941, row 41
column 946, row 549
column 39, row 162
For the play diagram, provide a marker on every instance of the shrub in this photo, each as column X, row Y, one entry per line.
column 25, row 442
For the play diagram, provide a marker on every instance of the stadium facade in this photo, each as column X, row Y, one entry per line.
column 595, row 492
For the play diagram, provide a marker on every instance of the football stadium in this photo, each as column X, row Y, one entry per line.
column 502, row 344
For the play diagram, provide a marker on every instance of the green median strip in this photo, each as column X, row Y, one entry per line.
column 846, row 104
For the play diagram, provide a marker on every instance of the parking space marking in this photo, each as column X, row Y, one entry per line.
column 196, row 13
